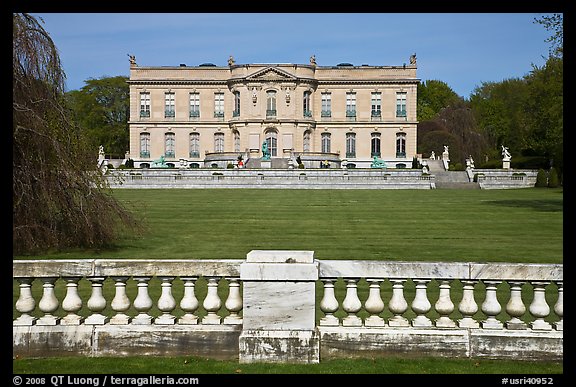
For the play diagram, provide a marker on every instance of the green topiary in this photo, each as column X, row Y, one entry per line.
column 553, row 179
column 541, row 179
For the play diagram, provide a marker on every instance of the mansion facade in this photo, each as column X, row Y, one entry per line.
column 321, row 116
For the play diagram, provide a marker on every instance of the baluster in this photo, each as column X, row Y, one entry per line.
column 374, row 305
column 351, row 305
column 120, row 303
column 72, row 303
column 166, row 303
column 468, row 306
column 49, row 303
column 234, row 302
column 515, row 307
column 444, row 306
column 491, row 307
column 559, row 307
column 329, row 304
column 398, row 304
column 189, row 303
column 142, row 302
column 421, row 305
column 212, row 303
column 96, row 303
column 25, row 303
column 539, row 307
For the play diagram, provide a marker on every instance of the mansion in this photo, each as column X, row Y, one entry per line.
column 320, row 116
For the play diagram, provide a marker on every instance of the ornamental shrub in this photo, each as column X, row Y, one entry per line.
column 541, row 178
column 553, row 178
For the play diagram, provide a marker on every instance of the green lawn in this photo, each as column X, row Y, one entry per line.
column 517, row 225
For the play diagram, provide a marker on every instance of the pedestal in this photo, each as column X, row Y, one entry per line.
column 506, row 164
column 265, row 164
column 279, row 307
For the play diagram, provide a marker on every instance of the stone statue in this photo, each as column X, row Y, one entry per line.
column 287, row 94
column 471, row 161
column 265, row 151
column 254, row 95
column 313, row 60
column 505, row 154
column 231, row 60
column 378, row 163
column 445, row 148
column 432, row 156
column 132, row 60
column 413, row 59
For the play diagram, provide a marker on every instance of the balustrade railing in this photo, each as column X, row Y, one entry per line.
column 350, row 293
column 97, row 292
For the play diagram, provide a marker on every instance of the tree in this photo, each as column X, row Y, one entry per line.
column 433, row 96
column 60, row 198
column 554, row 23
column 101, row 109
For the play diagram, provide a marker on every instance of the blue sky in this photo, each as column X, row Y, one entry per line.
column 461, row 49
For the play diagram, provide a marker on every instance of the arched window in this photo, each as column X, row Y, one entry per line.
column 169, row 144
column 306, row 141
column 350, row 145
column 326, row 142
column 145, row 145
column 271, row 103
column 272, row 142
column 194, row 144
column 219, row 142
column 400, row 144
column 375, row 145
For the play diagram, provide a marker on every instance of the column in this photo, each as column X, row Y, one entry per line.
column 468, row 306
column 189, row 303
column 96, row 303
column 351, row 305
column 329, row 304
column 398, row 304
column 233, row 303
column 49, row 303
column 491, row 307
column 374, row 304
column 120, row 302
column 142, row 302
column 72, row 303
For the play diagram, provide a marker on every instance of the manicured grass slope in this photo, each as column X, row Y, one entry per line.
column 519, row 225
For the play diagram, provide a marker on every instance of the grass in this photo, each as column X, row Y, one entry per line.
column 517, row 225
column 196, row 365
column 521, row 225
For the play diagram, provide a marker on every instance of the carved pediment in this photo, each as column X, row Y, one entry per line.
column 271, row 74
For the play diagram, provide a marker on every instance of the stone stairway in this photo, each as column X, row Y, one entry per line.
column 450, row 179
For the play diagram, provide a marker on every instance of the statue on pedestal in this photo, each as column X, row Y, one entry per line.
column 378, row 163
column 265, row 151
column 505, row 154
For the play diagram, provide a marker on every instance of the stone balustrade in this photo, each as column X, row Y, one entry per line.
column 335, row 178
column 287, row 306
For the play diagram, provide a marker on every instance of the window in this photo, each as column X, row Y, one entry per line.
column 376, row 110
column 236, row 135
column 169, row 144
column 219, row 142
column 306, row 104
column 375, row 145
column 326, row 104
column 306, row 141
column 271, row 103
column 325, row 137
column 218, row 105
column 350, row 145
column 145, row 104
column 145, row 145
column 272, row 142
column 194, row 105
column 195, row 144
column 350, row 104
column 236, row 112
column 400, row 104
column 169, row 105
column 400, row 144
